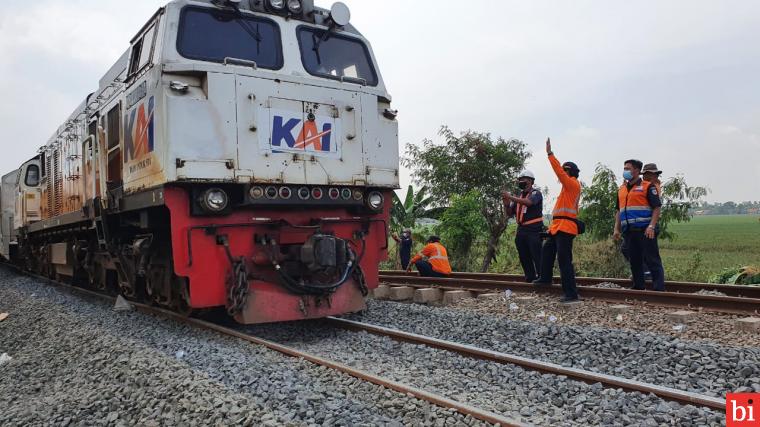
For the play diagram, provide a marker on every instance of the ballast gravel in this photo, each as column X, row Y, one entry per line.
column 509, row 390
column 74, row 361
column 694, row 366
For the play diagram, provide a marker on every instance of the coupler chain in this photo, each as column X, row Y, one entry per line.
column 237, row 283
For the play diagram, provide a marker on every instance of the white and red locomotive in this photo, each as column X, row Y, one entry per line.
column 240, row 154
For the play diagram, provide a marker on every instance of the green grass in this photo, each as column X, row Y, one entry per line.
column 708, row 244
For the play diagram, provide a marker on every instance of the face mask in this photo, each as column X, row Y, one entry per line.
column 627, row 175
column 523, row 185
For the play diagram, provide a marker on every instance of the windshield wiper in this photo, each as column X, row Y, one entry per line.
column 318, row 42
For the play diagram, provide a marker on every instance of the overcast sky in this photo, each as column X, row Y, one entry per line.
column 675, row 82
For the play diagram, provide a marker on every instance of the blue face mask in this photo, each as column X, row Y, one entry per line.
column 627, row 175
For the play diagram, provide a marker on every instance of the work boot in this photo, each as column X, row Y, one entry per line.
column 541, row 283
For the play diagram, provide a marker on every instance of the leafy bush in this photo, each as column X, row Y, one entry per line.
column 738, row 276
column 599, row 259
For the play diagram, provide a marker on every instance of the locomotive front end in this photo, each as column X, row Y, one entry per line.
column 280, row 155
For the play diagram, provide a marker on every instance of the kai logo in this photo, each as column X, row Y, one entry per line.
column 296, row 135
column 138, row 131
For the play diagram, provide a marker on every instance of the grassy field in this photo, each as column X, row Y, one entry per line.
column 707, row 244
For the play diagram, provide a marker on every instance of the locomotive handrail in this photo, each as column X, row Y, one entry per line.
column 237, row 61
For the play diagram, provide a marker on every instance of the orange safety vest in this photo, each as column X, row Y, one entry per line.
column 521, row 210
column 635, row 211
column 567, row 201
column 436, row 254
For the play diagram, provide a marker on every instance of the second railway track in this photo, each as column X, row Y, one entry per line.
column 737, row 299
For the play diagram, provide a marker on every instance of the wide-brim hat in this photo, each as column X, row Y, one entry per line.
column 651, row 167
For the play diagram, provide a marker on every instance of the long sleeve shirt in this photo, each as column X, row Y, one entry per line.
column 567, row 202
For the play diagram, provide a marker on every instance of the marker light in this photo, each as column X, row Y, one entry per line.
column 358, row 194
column 316, row 193
column 303, row 193
column 271, row 193
column 256, row 192
column 345, row 194
column 294, row 6
column 214, row 200
column 277, row 4
column 285, row 193
column 334, row 193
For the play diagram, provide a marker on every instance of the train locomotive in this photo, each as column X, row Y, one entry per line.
column 241, row 154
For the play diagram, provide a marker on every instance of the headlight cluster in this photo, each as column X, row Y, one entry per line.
column 293, row 6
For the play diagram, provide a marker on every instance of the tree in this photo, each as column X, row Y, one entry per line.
column 678, row 200
column 472, row 161
column 416, row 205
column 599, row 203
column 461, row 226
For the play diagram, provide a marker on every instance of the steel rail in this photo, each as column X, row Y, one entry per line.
column 434, row 398
column 672, row 286
column 726, row 304
column 609, row 381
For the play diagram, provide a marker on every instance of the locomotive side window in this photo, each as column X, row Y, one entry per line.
column 336, row 57
column 141, row 51
column 213, row 35
column 32, row 176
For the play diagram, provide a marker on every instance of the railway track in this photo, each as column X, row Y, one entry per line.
column 671, row 286
column 434, row 398
column 608, row 381
column 738, row 299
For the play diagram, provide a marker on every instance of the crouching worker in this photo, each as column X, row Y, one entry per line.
column 433, row 260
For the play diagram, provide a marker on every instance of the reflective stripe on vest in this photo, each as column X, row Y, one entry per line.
column 565, row 212
column 635, row 211
column 439, row 256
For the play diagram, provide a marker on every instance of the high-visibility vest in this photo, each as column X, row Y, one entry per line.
column 437, row 256
column 635, row 211
column 522, row 216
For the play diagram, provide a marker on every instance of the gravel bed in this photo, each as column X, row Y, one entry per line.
column 74, row 361
column 699, row 367
column 529, row 396
column 707, row 326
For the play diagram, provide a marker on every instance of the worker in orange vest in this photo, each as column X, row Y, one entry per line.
column 528, row 210
column 636, row 218
column 433, row 260
column 564, row 227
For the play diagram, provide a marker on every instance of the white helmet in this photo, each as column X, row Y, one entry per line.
column 527, row 174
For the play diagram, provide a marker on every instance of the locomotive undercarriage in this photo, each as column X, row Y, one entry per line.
column 127, row 254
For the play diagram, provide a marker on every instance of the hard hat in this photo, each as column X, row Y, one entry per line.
column 527, row 174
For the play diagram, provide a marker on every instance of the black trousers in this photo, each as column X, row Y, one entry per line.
column 528, row 245
column 426, row 269
column 559, row 247
column 405, row 258
column 642, row 250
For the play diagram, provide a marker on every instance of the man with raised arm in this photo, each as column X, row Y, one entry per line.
column 563, row 229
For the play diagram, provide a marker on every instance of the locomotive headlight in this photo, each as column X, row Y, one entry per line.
column 294, row 6
column 214, row 200
column 375, row 201
column 277, row 4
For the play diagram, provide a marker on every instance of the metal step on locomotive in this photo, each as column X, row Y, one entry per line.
column 240, row 154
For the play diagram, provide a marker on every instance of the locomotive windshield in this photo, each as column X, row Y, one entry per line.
column 337, row 57
column 213, row 35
